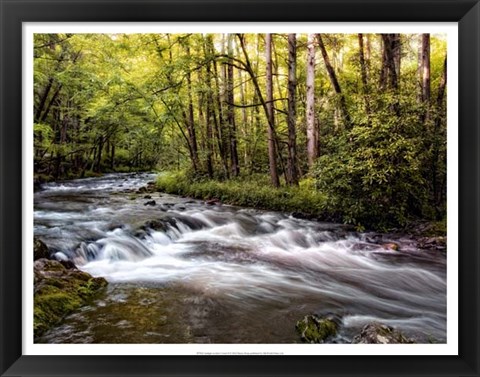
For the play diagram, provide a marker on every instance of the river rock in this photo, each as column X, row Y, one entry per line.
column 147, row 197
column 432, row 243
column 192, row 222
column 378, row 333
column 150, row 203
column 390, row 246
column 316, row 329
column 159, row 225
column 303, row 216
column 149, row 188
column 68, row 264
column 40, row 250
column 59, row 291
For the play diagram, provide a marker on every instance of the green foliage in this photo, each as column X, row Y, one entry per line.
column 42, row 131
column 373, row 173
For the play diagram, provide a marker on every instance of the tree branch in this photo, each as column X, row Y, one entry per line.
column 255, row 104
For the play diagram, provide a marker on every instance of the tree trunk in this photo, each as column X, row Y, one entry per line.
column 292, row 174
column 209, row 137
column 335, row 83
column 99, row 154
column 112, row 156
column 50, row 103
column 425, row 76
column 311, row 132
column 272, row 152
column 190, row 120
column 391, row 59
column 363, row 70
column 368, row 49
column 382, row 84
column 219, row 121
column 244, row 128
column 390, row 67
column 210, row 110
column 397, row 53
column 272, row 137
column 235, row 168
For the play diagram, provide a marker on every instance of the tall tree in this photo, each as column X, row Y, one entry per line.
column 336, row 85
column 272, row 150
column 271, row 133
column 424, row 73
column 210, row 116
column 390, row 73
column 292, row 171
column 189, row 118
column 397, row 52
column 235, row 167
column 363, row 72
column 311, row 129
column 389, row 77
column 220, row 119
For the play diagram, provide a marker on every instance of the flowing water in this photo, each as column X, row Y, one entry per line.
column 183, row 271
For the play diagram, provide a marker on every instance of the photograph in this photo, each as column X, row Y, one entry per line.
column 247, row 188
column 240, row 188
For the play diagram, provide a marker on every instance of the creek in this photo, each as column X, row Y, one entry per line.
column 183, row 271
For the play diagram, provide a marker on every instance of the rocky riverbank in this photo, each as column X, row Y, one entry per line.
column 429, row 235
column 59, row 288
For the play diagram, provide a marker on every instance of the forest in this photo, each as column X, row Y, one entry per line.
column 345, row 127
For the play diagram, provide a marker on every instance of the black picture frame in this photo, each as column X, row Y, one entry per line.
column 14, row 12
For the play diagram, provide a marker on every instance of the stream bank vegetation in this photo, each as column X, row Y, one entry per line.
column 349, row 127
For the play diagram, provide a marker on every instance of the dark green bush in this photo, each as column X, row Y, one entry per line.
column 372, row 175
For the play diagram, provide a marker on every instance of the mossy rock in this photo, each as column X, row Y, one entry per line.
column 315, row 329
column 59, row 291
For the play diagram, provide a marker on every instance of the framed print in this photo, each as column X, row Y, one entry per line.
column 239, row 188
